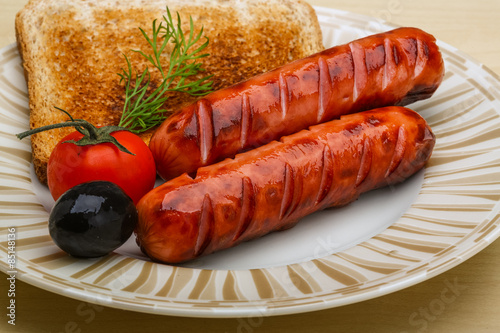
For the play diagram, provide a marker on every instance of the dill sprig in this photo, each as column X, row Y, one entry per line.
column 143, row 110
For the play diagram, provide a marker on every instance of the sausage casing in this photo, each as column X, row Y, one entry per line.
column 393, row 68
column 273, row 186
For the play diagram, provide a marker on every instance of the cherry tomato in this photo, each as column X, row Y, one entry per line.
column 70, row 164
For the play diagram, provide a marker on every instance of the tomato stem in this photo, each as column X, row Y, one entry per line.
column 91, row 135
column 71, row 123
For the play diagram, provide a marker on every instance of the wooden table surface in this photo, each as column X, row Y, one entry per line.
column 471, row 26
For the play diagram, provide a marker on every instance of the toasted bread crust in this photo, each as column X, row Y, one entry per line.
column 72, row 52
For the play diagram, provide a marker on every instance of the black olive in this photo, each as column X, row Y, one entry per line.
column 92, row 219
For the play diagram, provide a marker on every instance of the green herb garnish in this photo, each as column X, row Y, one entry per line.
column 143, row 110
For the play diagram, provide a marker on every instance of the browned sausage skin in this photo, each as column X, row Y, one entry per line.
column 393, row 68
column 273, row 186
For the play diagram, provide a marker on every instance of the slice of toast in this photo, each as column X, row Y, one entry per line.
column 73, row 50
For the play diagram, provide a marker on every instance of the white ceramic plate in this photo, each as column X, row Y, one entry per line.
column 387, row 240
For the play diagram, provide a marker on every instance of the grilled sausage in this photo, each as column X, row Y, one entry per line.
column 273, row 186
column 393, row 68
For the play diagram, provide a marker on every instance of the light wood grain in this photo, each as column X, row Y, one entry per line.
column 473, row 27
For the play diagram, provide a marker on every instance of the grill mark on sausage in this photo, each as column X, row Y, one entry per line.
column 326, row 174
column 247, row 207
column 324, row 88
column 395, row 54
column 410, row 48
column 422, row 55
column 283, row 89
column 246, row 116
column 206, row 226
column 366, row 161
column 399, row 151
column 297, row 193
column 205, row 128
column 360, row 70
column 389, row 63
column 354, row 68
column 289, row 188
